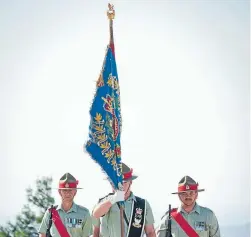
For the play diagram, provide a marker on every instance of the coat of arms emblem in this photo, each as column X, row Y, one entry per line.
column 137, row 218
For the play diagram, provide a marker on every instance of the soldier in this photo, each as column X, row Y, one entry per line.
column 138, row 216
column 67, row 219
column 189, row 219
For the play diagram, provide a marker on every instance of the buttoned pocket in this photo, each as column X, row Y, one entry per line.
column 201, row 228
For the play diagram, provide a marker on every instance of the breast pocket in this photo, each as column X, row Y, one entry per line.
column 74, row 226
column 201, row 229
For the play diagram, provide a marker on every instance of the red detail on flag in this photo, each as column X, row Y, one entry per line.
column 112, row 48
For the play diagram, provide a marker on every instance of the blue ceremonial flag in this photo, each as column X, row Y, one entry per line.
column 103, row 144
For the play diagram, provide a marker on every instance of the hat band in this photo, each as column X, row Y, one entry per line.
column 127, row 175
column 187, row 187
column 67, row 185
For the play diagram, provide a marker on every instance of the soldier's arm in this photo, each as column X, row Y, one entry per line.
column 161, row 231
column 149, row 221
column 96, row 226
column 214, row 229
column 96, row 231
column 87, row 225
column 101, row 208
column 149, row 230
column 44, row 224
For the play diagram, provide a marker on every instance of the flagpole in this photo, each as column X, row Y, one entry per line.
column 111, row 16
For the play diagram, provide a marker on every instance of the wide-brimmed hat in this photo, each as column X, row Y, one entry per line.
column 187, row 184
column 68, row 181
column 127, row 173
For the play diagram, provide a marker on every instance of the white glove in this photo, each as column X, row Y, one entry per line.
column 118, row 196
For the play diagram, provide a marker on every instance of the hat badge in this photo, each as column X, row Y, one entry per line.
column 187, row 187
column 67, row 185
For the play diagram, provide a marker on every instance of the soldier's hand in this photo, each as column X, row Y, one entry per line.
column 118, row 196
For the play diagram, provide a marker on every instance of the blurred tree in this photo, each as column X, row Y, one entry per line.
column 31, row 215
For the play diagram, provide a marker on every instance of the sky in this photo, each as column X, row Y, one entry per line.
column 183, row 68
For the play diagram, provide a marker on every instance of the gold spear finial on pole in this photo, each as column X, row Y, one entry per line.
column 111, row 16
column 110, row 11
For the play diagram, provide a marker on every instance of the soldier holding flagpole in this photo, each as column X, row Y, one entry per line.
column 104, row 145
column 138, row 216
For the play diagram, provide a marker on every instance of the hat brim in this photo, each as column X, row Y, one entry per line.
column 199, row 190
column 66, row 188
column 131, row 178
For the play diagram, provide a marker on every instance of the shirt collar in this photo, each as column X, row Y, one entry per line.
column 73, row 208
column 131, row 197
column 196, row 208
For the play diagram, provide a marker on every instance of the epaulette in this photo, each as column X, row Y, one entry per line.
column 105, row 197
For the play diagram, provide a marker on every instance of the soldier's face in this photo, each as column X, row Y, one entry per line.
column 67, row 194
column 126, row 186
column 188, row 198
